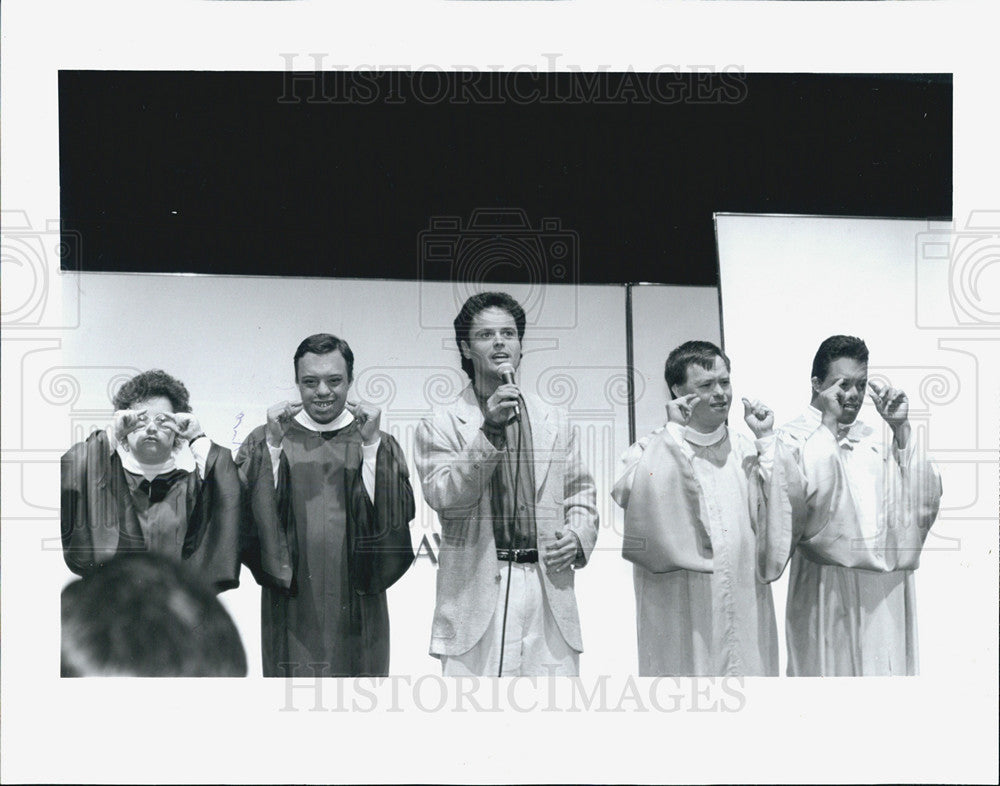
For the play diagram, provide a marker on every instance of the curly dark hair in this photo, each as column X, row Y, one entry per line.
column 481, row 302
column 153, row 383
column 838, row 347
column 701, row 353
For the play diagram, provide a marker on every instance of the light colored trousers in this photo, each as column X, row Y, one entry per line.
column 533, row 645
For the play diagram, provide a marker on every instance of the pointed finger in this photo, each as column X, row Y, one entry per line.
column 173, row 423
column 879, row 390
column 836, row 385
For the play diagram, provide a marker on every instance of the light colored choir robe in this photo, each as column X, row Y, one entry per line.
column 851, row 607
column 690, row 515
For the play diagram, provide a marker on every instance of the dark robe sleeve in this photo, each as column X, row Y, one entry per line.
column 89, row 508
column 381, row 550
column 212, row 540
column 267, row 526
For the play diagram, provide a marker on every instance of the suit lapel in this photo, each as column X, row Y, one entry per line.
column 468, row 416
column 544, row 431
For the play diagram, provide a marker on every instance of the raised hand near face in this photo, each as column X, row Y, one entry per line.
column 183, row 424
column 279, row 416
column 125, row 422
column 894, row 408
column 830, row 403
column 369, row 418
column 758, row 417
column 679, row 409
column 891, row 403
column 501, row 404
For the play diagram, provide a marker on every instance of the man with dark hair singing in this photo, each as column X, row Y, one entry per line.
column 694, row 493
column 152, row 481
column 330, row 497
column 857, row 538
column 517, row 509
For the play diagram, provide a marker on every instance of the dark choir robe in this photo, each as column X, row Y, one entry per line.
column 106, row 510
column 341, row 551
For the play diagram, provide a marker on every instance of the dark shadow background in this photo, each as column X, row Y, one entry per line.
column 338, row 173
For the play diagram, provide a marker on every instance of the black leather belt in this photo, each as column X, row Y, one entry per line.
column 518, row 555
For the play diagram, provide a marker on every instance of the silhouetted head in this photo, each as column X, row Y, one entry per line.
column 147, row 615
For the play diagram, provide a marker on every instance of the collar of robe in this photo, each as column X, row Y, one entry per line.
column 344, row 419
column 703, row 439
column 157, row 488
column 182, row 458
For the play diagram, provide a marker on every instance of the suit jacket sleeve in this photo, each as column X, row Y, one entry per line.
column 267, row 530
column 381, row 550
column 453, row 477
column 580, row 500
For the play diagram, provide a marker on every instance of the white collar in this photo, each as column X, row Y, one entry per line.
column 703, row 439
column 345, row 418
column 181, row 458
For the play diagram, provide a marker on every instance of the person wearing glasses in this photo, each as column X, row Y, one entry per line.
column 152, row 481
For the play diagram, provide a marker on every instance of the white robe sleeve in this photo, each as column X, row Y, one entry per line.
column 627, row 465
column 199, row 448
column 776, row 493
column 275, row 460
column 369, row 453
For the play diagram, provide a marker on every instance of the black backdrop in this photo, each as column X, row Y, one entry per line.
column 338, row 174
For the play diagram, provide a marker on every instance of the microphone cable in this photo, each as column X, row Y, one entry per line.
column 510, row 551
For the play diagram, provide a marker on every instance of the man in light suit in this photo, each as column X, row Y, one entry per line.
column 517, row 508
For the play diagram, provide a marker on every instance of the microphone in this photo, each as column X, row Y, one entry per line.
column 506, row 371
